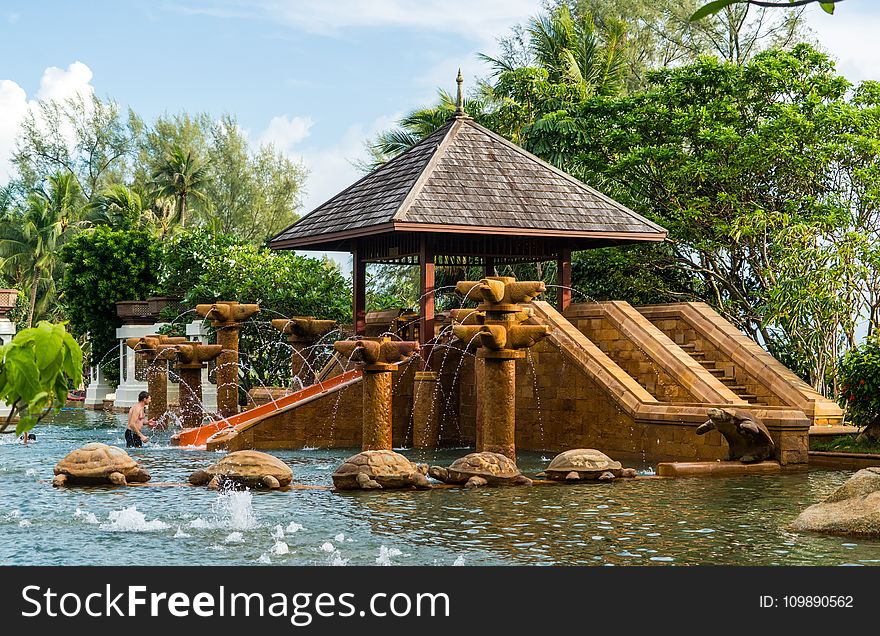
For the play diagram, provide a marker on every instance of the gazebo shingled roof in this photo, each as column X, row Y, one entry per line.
column 464, row 195
column 466, row 179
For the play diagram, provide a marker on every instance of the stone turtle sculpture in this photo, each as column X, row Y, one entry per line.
column 379, row 469
column 747, row 437
column 585, row 464
column 98, row 463
column 480, row 469
column 248, row 468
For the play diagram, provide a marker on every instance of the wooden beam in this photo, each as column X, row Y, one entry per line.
column 489, row 266
column 563, row 279
column 426, row 295
column 359, row 292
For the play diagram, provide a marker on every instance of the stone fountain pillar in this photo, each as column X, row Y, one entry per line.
column 426, row 419
column 156, row 351
column 302, row 333
column 191, row 359
column 226, row 318
column 502, row 339
column 377, row 358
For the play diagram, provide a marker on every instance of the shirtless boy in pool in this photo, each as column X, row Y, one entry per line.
column 137, row 418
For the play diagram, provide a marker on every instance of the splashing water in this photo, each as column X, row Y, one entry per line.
column 278, row 532
column 280, row 548
column 234, row 510
column 459, row 560
column 386, row 554
column 328, row 547
column 180, row 534
column 292, row 527
column 340, row 537
column 131, row 520
column 88, row 517
column 234, row 537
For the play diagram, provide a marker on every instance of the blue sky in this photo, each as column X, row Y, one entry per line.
column 316, row 78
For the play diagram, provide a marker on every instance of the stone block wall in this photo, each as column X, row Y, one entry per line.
column 634, row 361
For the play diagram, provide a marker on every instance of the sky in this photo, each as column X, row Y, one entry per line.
column 316, row 78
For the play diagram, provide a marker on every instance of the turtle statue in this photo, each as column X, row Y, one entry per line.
column 748, row 439
column 480, row 469
column 585, row 464
column 248, row 468
column 380, row 469
column 98, row 463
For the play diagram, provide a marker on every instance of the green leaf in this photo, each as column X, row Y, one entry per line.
column 828, row 7
column 711, row 9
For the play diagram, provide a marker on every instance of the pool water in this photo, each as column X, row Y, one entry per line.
column 719, row 520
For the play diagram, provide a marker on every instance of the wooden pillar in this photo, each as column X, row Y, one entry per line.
column 359, row 292
column 489, row 266
column 426, row 297
column 563, row 279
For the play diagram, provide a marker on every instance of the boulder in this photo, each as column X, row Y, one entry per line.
column 851, row 510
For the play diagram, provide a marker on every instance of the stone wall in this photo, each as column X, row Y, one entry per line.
column 331, row 421
column 634, row 361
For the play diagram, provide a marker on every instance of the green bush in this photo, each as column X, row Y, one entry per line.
column 859, row 374
column 105, row 266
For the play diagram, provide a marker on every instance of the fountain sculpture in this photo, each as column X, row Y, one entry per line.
column 156, row 351
column 191, row 359
column 302, row 333
column 497, row 327
column 226, row 318
column 377, row 358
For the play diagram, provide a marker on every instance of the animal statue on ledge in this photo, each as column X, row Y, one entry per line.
column 748, row 438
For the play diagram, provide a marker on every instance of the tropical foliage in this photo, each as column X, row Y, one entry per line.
column 37, row 368
column 860, row 387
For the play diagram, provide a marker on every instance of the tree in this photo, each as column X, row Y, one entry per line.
column 253, row 194
column 83, row 136
column 181, row 177
column 103, row 267
column 30, row 239
column 571, row 58
column 117, row 206
column 37, row 368
column 765, row 176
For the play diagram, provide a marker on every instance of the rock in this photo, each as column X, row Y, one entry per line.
column 851, row 510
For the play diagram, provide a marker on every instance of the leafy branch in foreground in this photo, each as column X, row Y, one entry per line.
column 715, row 6
column 37, row 367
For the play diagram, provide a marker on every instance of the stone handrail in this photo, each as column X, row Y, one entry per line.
column 660, row 349
column 760, row 366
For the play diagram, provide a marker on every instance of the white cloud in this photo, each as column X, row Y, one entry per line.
column 56, row 83
column 284, row 132
column 482, row 20
column 13, row 105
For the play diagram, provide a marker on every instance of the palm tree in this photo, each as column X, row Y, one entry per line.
column 571, row 56
column 117, row 206
column 181, row 177
column 30, row 238
column 574, row 51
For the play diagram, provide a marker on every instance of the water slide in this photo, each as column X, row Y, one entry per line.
column 198, row 437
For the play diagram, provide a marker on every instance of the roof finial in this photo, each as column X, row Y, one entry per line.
column 459, row 100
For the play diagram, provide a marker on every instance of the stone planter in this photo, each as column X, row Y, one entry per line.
column 8, row 298
column 134, row 312
column 157, row 303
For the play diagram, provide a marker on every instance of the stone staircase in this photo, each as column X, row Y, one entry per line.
column 725, row 375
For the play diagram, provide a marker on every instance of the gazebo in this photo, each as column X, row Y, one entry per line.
column 464, row 196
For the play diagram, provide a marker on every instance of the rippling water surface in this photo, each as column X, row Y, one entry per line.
column 720, row 520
